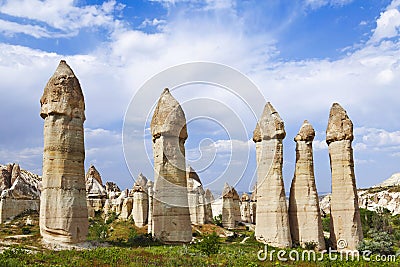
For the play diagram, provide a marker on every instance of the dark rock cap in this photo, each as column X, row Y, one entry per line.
column 169, row 118
column 340, row 127
column 270, row 125
column 63, row 94
column 306, row 132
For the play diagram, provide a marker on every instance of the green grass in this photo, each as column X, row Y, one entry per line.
column 130, row 246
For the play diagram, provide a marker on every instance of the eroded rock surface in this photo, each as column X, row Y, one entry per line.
column 304, row 212
column 63, row 208
column 171, row 216
column 272, row 220
column 345, row 215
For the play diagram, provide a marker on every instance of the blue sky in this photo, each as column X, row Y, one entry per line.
column 303, row 55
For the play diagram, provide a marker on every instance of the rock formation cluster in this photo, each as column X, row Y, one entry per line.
column 304, row 212
column 345, row 214
column 19, row 191
column 177, row 198
column 63, row 208
column 272, row 220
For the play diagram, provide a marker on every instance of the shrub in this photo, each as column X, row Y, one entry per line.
column 310, row 245
column 217, row 220
column 210, row 244
column 98, row 231
column 111, row 217
column 26, row 230
column 380, row 242
column 326, row 221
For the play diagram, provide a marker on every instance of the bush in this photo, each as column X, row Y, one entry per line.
column 217, row 220
column 111, row 217
column 380, row 243
column 210, row 244
column 310, row 245
column 26, row 230
column 326, row 221
column 98, row 231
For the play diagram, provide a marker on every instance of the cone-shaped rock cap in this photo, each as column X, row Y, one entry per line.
column 340, row 126
column 270, row 125
column 93, row 173
column 141, row 180
column 209, row 195
column 63, row 94
column 169, row 118
column 191, row 173
column 229, row 192
column 306, row 132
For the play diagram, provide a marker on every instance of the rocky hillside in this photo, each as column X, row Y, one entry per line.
column 384, row 195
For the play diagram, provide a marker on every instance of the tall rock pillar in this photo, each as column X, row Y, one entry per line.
column 272, row 221
column 346, row 229
column 171, row 217
column 304, row 215
column 63, row 210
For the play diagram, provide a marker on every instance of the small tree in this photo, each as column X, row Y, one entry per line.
column 210, row 244
column 380, row 243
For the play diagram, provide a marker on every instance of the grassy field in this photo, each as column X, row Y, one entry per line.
column 126, row 245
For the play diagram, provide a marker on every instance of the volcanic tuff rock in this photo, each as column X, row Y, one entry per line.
column 304, row 215
column 23, row 194
column 345, row 215
column 171, row 216
column 94, row 184
column 230, row 207
column 63, row 208
column 196, row 197
column 140, row 207
column 272, row 221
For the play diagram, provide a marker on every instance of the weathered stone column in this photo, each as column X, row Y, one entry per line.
column 346, row 229
column 63, row 210
column 272, row 220
column 209, row 198
column 230, row 207
column 140, row 201
column 245, row 208
column 150, row 191
column 304, row 215
column 171, row 217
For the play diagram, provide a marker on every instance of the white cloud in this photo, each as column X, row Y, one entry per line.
column 387, row 25
column 314, row 4
column 376, row 139
column 63, row 18
column 320, row 145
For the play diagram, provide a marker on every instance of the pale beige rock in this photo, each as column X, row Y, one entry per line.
column 171, row 217
column 63, row 207
column 5, row 176
column 230, row 207
column 140, row 201
column 93, row 173
column 245, row 212
column 272, row 220
column 209, row 198
column 150, row 191
column 94, row 185
column 196, row 197
column 126, row 208
column 23, row 195
column 15, row 173
column 304, row 212
column 113, row 190
column 345, row 214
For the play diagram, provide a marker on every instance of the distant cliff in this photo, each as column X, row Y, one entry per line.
column 384, row 195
